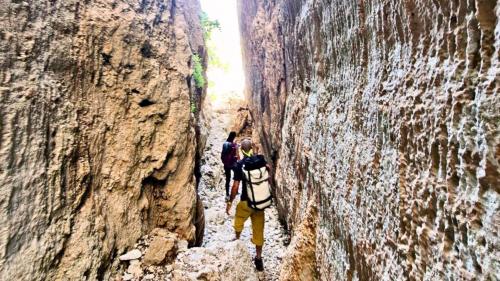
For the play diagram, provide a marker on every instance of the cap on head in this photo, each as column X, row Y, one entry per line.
column 246, row 145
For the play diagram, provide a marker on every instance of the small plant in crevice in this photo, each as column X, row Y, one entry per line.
column 193, row 107
column 199, row 79
column 193, row 104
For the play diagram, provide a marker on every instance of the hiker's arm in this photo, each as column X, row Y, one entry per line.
column 234, row 191
column 237, row 152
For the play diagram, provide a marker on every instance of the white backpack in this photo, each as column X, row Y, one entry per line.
column 257, row 178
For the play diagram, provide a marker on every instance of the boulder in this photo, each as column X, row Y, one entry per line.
column 161, row 250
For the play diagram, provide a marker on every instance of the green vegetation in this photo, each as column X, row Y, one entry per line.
column 193, row 107
column 208, row 25
column 216, row 60
column 199, row 79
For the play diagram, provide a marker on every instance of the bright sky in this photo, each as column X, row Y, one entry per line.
column 229, row 82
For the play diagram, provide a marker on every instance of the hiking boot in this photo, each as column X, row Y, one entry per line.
column 259, row 264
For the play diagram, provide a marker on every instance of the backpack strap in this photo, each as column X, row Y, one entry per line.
column 249, row 154
column 251, row 202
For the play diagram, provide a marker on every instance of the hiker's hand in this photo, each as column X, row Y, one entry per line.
column 228, row 207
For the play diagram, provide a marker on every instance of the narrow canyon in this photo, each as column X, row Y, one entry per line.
column 380, row 120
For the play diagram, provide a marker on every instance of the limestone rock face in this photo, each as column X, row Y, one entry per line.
column 97, row 139
column 386, row 114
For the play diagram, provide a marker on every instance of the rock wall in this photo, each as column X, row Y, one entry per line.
column 97, row 138
column 385, row 114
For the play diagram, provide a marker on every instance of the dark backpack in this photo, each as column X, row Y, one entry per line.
column 228, row 155
column 255, row 162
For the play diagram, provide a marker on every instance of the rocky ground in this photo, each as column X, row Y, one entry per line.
column 162, row 256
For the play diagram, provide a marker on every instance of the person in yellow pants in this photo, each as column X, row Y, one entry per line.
column 257, row 218
column 243, row 211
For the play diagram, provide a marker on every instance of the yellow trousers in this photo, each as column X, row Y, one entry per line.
column 258, row 220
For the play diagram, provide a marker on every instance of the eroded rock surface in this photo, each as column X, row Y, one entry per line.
column 97, row 137
column 385, row 113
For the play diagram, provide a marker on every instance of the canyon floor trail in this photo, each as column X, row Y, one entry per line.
column 220, row 257
column 218, row 226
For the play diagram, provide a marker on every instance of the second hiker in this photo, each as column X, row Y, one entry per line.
column 229, row 156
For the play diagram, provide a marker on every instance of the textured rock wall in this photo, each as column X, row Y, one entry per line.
column 386, row 115
column 97, row 139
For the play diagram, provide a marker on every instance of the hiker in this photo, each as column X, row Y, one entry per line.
column 229, row 156
column 255, row 197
